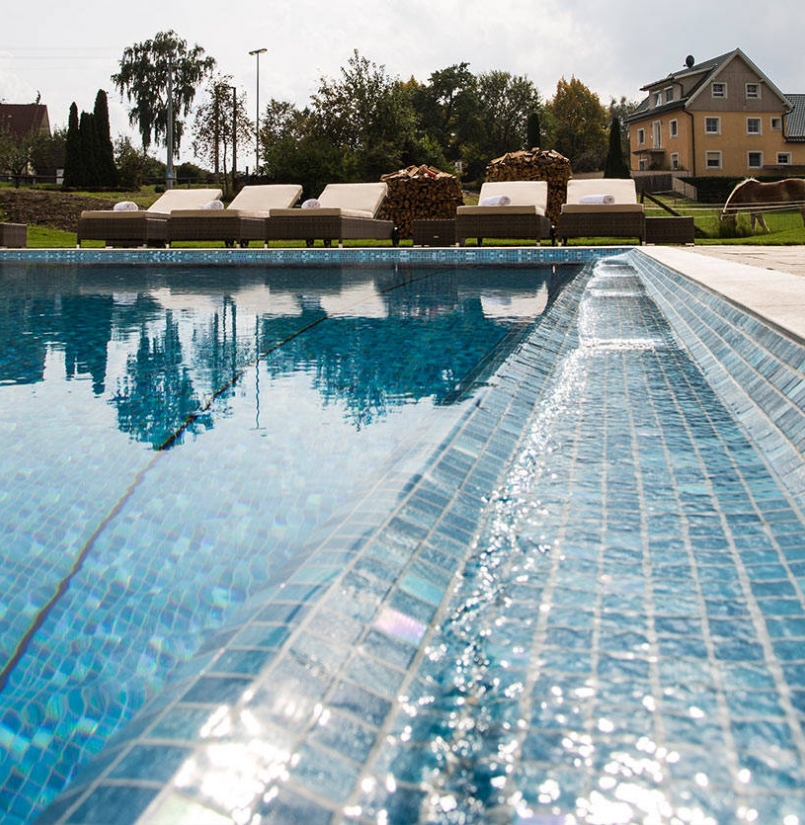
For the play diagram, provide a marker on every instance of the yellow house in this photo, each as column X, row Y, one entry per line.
column 719, row 117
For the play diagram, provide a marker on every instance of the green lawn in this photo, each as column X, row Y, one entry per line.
column 786, row 228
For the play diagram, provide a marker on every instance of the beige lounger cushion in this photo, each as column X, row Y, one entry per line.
column 183, row 199
column 354, row 199
column 321, row 212
column 623, row 190
column 522, row 209
column 345, row 200
column 587, row 208
column 527, row 197
column 267, row 197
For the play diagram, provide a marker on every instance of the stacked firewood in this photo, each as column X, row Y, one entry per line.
column 536, row 164
column 420, row 192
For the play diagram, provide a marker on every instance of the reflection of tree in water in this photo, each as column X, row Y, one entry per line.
column 26, row 328
column 373, row 364
column 218, row 355
column 86, row 327
column 155, row 399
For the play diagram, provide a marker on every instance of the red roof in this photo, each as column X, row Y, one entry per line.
column 21, row 119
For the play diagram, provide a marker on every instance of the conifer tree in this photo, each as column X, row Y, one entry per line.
column 105, row 160
column 534, row 131
column 73, row 173
column 616, row 166
column 88, row 135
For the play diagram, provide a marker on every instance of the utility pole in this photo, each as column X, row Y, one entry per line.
column 257, row 53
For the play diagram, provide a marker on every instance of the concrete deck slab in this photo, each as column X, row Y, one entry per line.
column 768, row 281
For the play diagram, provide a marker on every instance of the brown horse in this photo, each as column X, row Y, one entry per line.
column 757, row 198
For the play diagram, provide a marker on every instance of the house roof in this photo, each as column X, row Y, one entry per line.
column 795, row 120
column 706, row 71
column 22, row 119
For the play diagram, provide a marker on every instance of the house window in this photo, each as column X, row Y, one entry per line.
column 713, row 160
column 656, row 133
column 754, row 160
column 777, row 124
column 719, row 90
column 673, row 127
column 753, row 91
column 658, row 99
column 783, row 158
column 669, row 94
column 641, row 137
column 712, row 125
column 643, row 164
column 674, row 162
column 753, row 126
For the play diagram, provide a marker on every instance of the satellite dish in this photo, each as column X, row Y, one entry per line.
column 689, row 61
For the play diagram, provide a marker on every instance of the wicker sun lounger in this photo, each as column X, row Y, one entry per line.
column 345, row 211
column 522, row 217
column 141, row 227
column 242, row 221
column 587, row 215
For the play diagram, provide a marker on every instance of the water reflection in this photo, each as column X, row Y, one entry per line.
column 165, row 343
column 118, row 562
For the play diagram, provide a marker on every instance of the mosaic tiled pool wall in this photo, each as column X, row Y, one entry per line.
column 241, row 730
column 340, row 639
column 280, row 257
column 758, row 371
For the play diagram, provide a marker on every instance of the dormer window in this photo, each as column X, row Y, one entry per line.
column 669, row 94
column 719, row 90
column 658, row 98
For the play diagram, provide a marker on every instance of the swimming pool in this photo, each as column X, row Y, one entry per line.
column 579, row 586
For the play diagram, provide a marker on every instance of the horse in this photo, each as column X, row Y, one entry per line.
column 757, row 198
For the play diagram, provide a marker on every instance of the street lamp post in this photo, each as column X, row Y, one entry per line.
column 257, row 53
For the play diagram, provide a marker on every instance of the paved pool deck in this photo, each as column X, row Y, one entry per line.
column 766, row 280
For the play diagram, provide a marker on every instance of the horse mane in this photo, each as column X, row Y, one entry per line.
column 735, row 188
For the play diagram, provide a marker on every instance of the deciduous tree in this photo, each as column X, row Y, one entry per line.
column 579, row 123
column 146, row 71
column 220, row 118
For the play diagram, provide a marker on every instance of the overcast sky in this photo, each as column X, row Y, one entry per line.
column 67, row 51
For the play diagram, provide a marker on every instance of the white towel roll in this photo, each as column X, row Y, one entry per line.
column 597, row 199
column 495, row 200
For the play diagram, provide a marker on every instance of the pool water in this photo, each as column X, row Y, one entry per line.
column 171, row 440
column 559, row 577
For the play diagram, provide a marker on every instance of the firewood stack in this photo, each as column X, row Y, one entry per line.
column 420, row 192
column 536, row 164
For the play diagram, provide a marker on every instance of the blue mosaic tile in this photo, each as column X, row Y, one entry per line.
column 628, row 589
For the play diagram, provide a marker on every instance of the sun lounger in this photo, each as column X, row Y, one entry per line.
column 343, row 211
column 242, row 221
column 601, row 207
column 140, row 227
column 518, row 212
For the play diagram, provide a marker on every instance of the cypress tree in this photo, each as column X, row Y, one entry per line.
column 107, row 171
column 616, row 166
column 88, row 134
column 73, row 173
column 534, row 133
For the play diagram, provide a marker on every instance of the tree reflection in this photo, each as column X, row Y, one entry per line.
column 371, row 365
column 155, row 399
